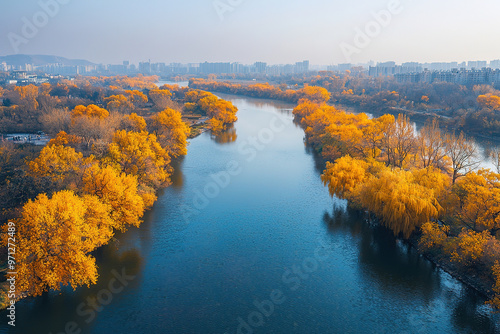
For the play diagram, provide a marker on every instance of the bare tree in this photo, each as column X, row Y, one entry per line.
column 431, row 145
column 93, row 130
column 399, row 141
column 463, row 154
column 495, row 157
column 55, row 121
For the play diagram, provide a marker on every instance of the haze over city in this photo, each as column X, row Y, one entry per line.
column 247, row 31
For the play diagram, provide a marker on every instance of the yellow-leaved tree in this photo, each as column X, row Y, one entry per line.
column 171, row 131
column 27, row 97
column 305, row 108
column 316, row 93
column 345, row 177
column 402, row 204
column 54, row 238
column 60, row 163
column 161, row 98
column 140, row 154
column 469, row 246
column 119, row 191
column 224, row 112
column 94, row 124
column 480, row 200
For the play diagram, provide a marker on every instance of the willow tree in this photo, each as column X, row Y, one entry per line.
column 345, row 176
column 431, row 145
column 402, row 204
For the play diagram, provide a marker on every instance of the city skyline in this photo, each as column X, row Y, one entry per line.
column 280, row 32
column 445, row 65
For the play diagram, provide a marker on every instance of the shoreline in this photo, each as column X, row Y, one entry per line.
column 480, row 283
column 483, row 285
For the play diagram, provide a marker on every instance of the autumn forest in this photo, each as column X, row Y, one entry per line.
column 113, row 141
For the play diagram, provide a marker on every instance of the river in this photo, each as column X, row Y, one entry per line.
column 248, row 240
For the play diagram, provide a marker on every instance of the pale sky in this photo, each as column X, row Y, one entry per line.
column 273, row 31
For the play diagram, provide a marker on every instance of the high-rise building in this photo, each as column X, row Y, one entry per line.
column 302, row 66
column 215, row 68
column 477, row 65
column 495, row 64
column 260, row 67
column 145, row 67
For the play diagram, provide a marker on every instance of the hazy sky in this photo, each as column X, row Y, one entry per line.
column 274, row 31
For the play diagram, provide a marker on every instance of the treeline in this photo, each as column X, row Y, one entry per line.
column 265, row 91
column 456, row 106
column 422, row 184
column 98, row 174
column 31, row 108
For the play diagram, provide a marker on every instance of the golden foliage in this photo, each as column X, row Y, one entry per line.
column 316, row 93
column 63, row 139
column 433, row 179
column 401, row 203
column 433, row 235
column 91, row 111
column 480, row 192
column 58, row 162
column 399, row 141
column 305, row 108
column 118, row 103
column 345, row 176
column 140, row 154
column 468, row 247
column 172, row 132
column 161, row 98
column 489, row 101
column 53, row 244
column 27, row 97
column 136, row 122
column 119, row 191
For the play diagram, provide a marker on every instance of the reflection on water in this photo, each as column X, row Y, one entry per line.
column 119, row 274
column 227, row 136
column 397, row 269
column 177, row 176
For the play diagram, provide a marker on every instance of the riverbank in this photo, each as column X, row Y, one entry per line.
column 404, row 194
column 420, row 118
column 480, row 282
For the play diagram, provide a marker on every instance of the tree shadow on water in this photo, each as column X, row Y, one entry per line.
column 395, row 268
column 227, row 136
column 392, row 265
column 119, row 274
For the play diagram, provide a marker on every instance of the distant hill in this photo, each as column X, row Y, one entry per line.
column 40, row 60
